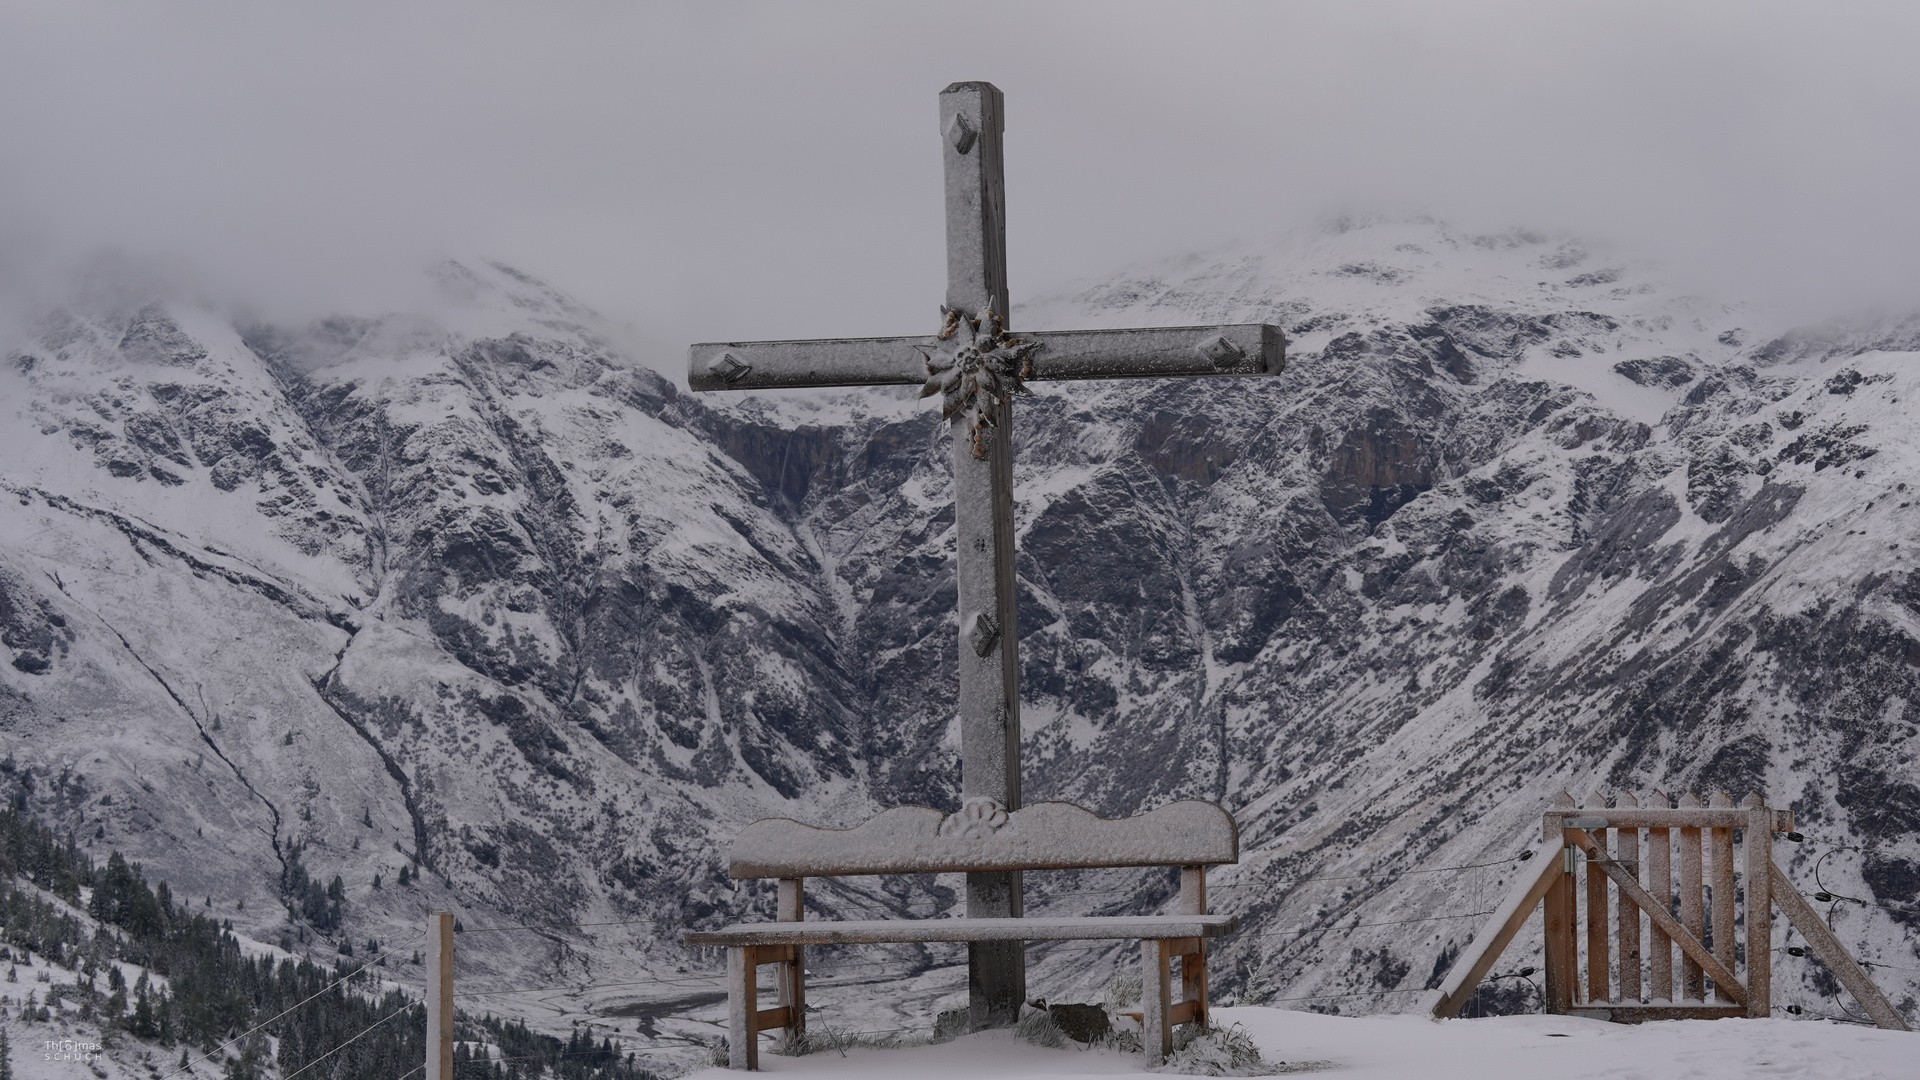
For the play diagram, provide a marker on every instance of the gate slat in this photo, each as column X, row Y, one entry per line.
column 1628, row 915
column 1660, row 884
column 1598, row 988
column 1724, row 934
column 1693, row 915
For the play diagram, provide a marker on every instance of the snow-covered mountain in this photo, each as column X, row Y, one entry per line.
column 471, row 592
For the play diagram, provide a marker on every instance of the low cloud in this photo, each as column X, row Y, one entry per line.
column 735, row 170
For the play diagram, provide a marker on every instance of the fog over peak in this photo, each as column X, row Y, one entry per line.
column 743, row 170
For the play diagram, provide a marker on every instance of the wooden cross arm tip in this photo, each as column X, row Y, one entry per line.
column 1155, row 352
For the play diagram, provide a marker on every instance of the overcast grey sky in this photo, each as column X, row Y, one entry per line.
column 770, row 169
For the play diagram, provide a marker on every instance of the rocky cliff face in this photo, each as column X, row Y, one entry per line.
column 475, row 594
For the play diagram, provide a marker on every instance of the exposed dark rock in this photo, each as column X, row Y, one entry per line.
column 1895, row 883
column 1081, row 1023
column 153, row 338
column 1663, row 371
column 30, row 627
column 1379, row 465
column 1829, row 446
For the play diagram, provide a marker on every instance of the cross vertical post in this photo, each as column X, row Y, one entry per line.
column 440, row 996
column 971, row 123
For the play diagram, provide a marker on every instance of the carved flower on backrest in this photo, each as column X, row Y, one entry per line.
column 976, row 368
column 978, row 819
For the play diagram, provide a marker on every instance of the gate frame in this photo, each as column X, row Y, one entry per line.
column 1582, row 834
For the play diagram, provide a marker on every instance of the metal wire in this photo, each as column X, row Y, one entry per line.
column 363, row 1033
column 323, row 990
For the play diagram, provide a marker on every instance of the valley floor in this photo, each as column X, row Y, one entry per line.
column 1414, row 1048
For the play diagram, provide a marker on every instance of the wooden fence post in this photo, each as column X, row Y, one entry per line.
column 1757, row 844
column 440, row 996
column 1558, row 913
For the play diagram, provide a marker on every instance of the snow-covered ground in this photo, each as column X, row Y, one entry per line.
column 1414, row 1048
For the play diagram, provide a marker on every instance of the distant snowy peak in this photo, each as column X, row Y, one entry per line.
column 1843, row 339
column 1389, row 271
column 1477, row 308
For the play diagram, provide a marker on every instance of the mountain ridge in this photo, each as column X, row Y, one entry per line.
column 486, row 598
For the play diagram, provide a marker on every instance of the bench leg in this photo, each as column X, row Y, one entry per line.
column 793, row 997
column 743, row 1041
column 792, row 907
column 1156, row 1000
column 1193, row 979
column 1193, row 959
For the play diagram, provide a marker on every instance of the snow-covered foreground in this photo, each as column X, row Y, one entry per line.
column 1414, row 1048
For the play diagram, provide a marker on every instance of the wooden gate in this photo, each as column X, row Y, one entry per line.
column 1628, row 890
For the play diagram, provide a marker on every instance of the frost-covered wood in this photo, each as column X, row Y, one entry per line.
column 1628, row 916
column 1757, row 846
column 1561, row 961
column 894, row 931
column 440, row 996
column 1473, row 964
column 1156, row 1001
column 1599, row 966
column 1582, row 836
column 791, row 979
column 1170, row 352
column 1829, row 949
column 1724, row 934
column 1689, row 943
column 743, row 1007
column 921, row 840
column 988, row 668
column 1641, row 817
column 1640, row 1014
column 976, row 365
column 1193, row 891
column 1693, row 915
column 745, row 1019
column 984, row 839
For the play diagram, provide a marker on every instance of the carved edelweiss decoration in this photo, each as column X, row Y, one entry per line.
column 978, row 368
column 978, row 819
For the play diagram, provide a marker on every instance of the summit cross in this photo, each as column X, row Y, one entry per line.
column 976, row 366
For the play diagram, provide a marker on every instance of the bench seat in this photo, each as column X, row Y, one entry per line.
column 903, row 931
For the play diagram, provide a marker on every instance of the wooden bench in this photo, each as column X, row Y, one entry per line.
column 981, row 837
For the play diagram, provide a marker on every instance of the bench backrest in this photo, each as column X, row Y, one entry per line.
column 982, row 836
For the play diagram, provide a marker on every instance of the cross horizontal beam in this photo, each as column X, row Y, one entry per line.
column 1164, row 352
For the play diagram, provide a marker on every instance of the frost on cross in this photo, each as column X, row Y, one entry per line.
column 977, row 371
